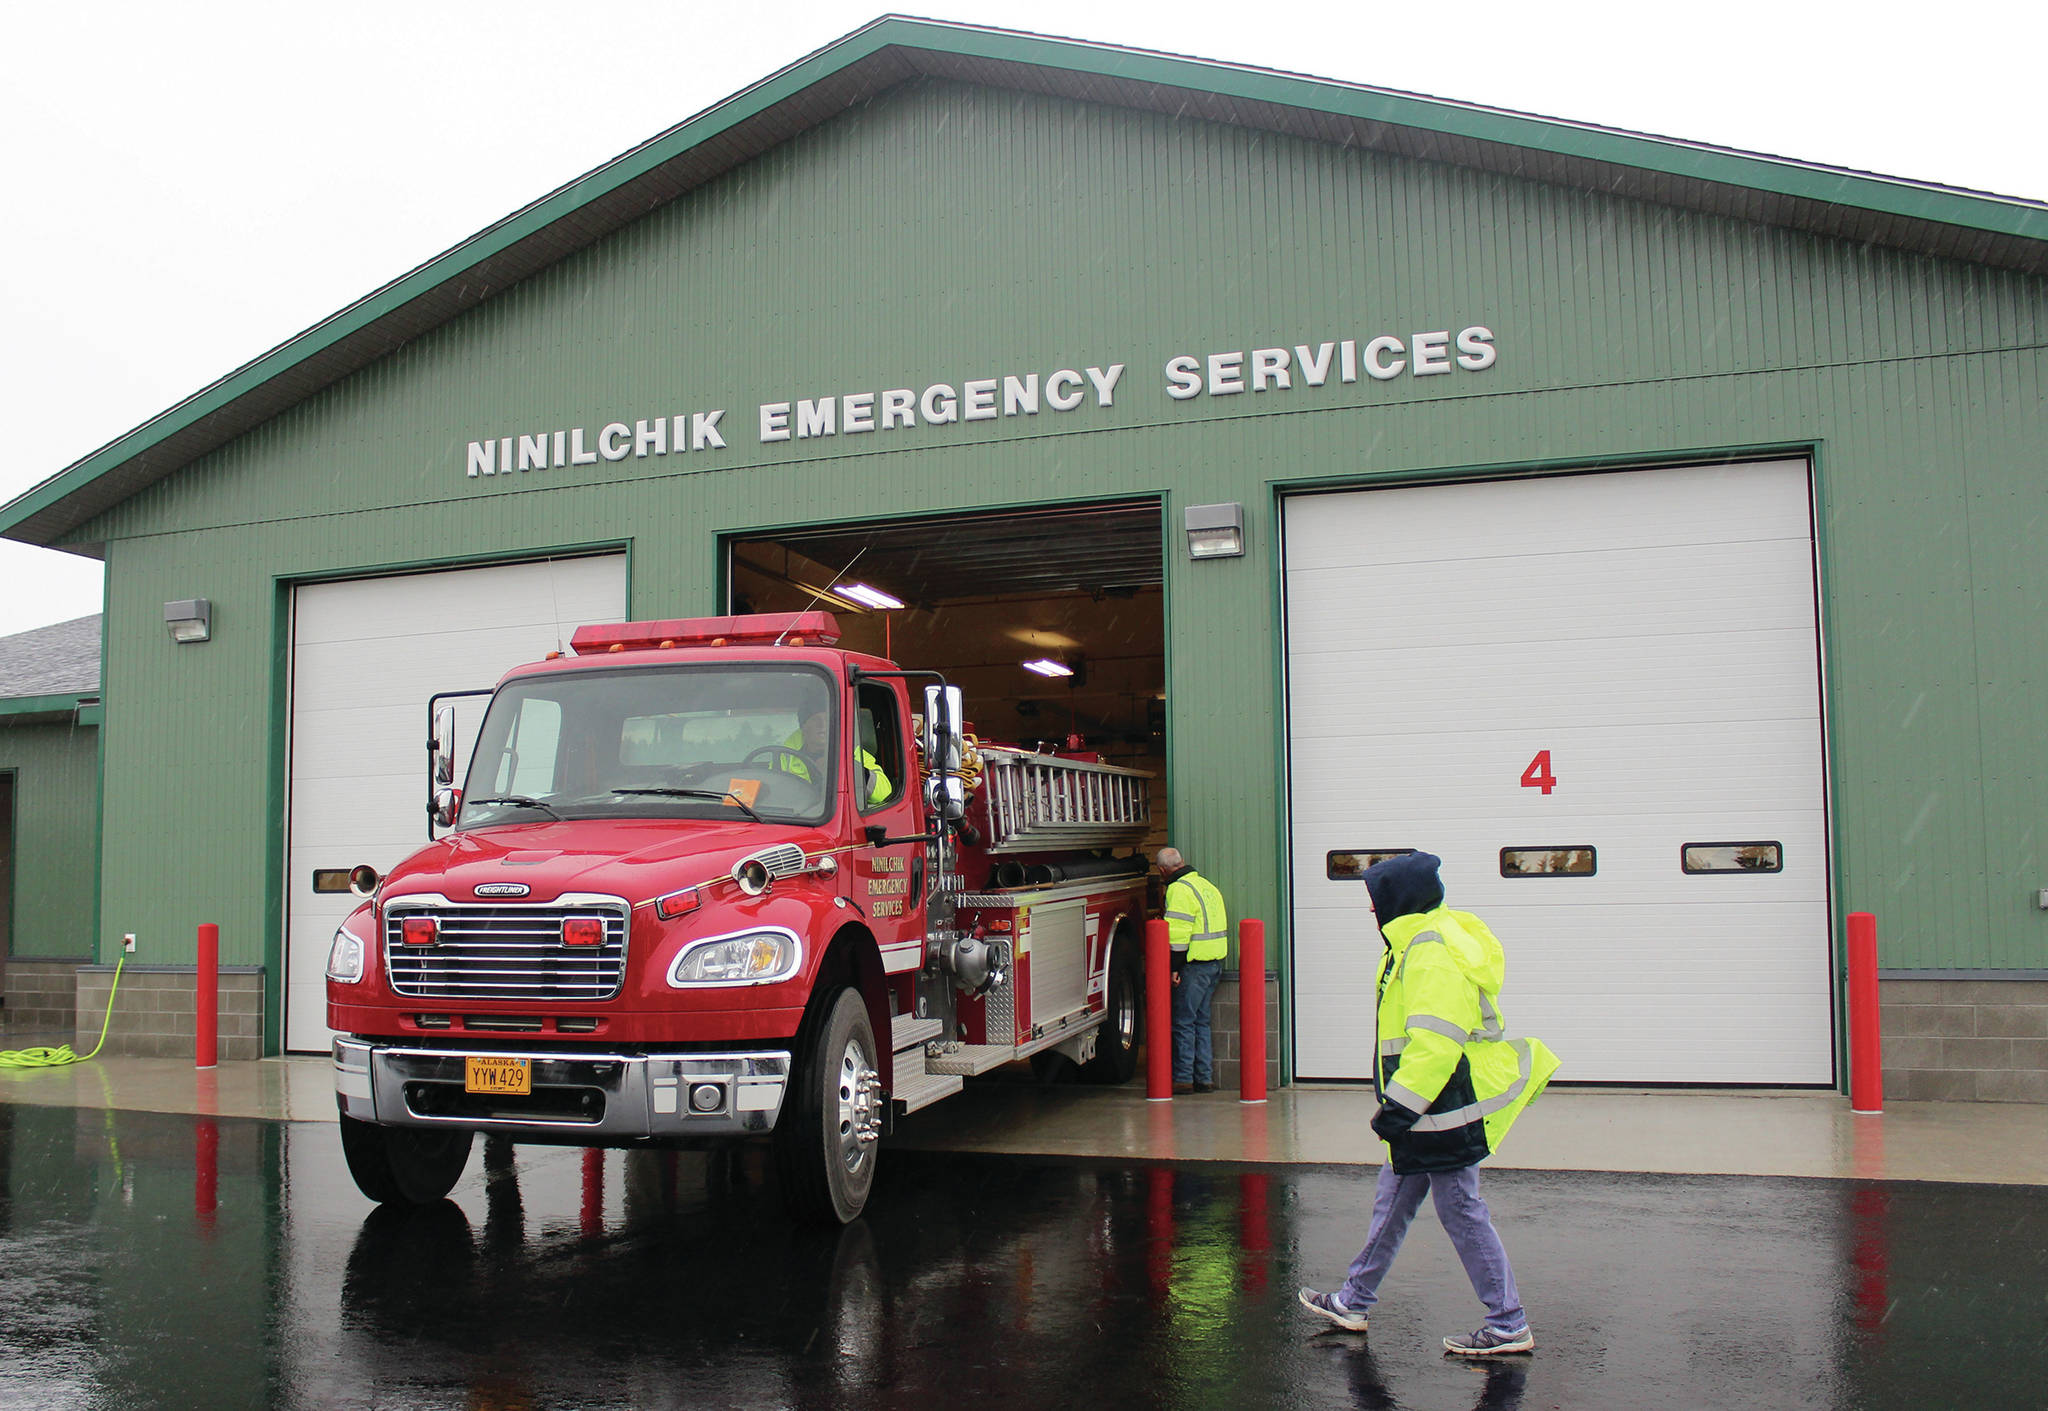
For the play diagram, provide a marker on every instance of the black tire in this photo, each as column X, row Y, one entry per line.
column 1116, row 1042
column 403, row 1165
column 823, row 1163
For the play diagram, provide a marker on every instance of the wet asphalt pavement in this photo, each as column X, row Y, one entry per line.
column 169, row 1261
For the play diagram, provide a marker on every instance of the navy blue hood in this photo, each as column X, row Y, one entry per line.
column 1404, row 885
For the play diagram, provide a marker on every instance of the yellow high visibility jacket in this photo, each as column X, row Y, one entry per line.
column 879, row 786
column 1197, row 925
column 1442, row 1047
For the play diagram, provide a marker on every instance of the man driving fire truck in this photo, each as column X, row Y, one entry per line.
column 811, row 740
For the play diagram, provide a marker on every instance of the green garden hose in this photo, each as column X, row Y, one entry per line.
column 60, row 1055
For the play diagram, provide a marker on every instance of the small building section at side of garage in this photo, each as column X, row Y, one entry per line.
column 49, row 821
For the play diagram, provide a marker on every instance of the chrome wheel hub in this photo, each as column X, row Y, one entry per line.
column 860, row 1107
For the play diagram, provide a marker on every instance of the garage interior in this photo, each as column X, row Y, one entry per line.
column 1079, row 589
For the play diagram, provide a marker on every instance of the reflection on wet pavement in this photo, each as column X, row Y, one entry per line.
column 150, row 1260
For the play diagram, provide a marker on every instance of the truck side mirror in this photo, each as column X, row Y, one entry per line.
column 441, row 749
column 447, row 803
column 944, row 711
column 946, row 797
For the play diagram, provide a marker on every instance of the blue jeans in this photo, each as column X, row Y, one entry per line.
column 1193, row 1058
column 1465, row 1219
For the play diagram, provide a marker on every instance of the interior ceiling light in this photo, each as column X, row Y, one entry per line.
column 835, row 596
column 872, row 597
column 1046, row 666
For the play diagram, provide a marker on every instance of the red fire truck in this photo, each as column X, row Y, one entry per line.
column 717, row 880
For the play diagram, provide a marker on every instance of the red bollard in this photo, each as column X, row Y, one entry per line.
column 206, row 1174
column 592, row 1220
column 1158, row 1014
column 206, row 1021
column 1866, row 1042
column 1251, row 1011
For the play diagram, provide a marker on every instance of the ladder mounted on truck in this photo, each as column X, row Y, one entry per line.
column 1043, row 803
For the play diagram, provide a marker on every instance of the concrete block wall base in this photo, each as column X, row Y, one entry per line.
column 154, row 1011
column 1225, row 1028
column 1961, row 1040
column 41, row 996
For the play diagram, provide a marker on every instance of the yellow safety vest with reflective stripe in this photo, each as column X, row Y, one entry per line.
column 1439, row 989
column 878, row 782
column 1196, row 922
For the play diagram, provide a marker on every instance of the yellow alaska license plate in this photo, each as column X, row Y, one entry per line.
column 493, row 1074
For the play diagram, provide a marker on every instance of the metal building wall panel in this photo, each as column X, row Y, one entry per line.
column 942, row 231
column 56, row 780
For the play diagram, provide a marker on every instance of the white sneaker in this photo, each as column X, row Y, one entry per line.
column 1326, row 1305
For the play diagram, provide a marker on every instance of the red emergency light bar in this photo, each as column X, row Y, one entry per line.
column 756, row 629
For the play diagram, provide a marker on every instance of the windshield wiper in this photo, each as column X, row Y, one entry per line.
column 714, row 794
column 520, row 801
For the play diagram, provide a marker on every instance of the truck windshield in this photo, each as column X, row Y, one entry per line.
column 665, row 742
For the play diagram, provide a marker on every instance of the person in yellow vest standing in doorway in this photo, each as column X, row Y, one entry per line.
column 1198, row 929
column 1451, row 1083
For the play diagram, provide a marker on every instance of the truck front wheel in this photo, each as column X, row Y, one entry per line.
column 826, row 1138
column 403, row 1165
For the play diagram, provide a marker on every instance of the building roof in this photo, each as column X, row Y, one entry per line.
column 48, row 668
column 1914, row 216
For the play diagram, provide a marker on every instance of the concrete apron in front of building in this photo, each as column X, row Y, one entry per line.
column 1756, row 1133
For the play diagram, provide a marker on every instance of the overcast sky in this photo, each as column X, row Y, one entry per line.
column 188, row 185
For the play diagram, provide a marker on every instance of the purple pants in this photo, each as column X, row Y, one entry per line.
column 1465, row 1219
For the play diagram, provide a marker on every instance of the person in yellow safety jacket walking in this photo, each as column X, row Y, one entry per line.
column 806, row 746
column 1198, row 929
column 1451, row 1083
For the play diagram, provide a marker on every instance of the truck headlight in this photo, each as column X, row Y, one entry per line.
column 748, row 958
column 345, row 956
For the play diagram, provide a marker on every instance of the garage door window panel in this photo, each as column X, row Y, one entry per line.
column 1712, row 859
column 1582, row 861
column 1349, row 866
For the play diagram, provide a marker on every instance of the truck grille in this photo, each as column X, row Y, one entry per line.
column 506, row 952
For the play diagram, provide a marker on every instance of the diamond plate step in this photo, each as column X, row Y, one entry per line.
column 970, row 1059
column 906, row 1030
column 915, row 1090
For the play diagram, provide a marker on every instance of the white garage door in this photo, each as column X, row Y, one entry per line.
column 1592, row 671
column 366, row 655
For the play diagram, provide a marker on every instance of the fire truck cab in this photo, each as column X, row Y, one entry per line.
column 717, row 880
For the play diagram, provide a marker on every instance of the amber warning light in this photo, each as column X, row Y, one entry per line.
column 582, row 930
column 758, row 629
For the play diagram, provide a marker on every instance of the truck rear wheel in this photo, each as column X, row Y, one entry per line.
column 825, row 1142
column 1116, row 1042
column 403, row 1165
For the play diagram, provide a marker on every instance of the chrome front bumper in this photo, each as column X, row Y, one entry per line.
column 597, row 1097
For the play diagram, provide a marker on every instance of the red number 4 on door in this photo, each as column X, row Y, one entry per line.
column 1538, row 775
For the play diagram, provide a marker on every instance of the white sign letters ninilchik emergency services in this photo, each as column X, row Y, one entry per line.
column 1186, row 377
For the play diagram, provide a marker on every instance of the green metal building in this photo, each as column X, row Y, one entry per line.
column 1646, row 528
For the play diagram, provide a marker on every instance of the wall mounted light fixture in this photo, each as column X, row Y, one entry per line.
column 189, row 620
column 1215, row 531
